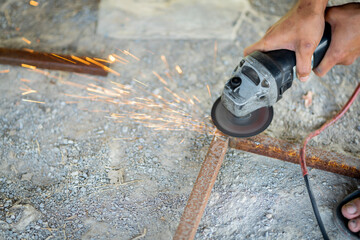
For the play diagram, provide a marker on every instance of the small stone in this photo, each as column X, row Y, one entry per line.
column 269, row 216
column 358, row 128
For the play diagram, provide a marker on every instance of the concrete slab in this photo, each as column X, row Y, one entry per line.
column 170, row 19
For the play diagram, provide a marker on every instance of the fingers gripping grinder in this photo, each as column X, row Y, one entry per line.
column 258, row 82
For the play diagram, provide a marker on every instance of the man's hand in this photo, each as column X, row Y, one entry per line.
column 300, row 30
column 345, row 41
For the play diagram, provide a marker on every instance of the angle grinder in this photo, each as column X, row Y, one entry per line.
column 257, row 83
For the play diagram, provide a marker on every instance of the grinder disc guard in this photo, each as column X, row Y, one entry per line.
column 246, row 126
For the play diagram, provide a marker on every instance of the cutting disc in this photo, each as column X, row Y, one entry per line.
column 246, row 126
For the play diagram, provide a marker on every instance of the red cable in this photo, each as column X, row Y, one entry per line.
column 323, row 127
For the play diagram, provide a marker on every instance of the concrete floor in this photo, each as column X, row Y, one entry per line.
column 69, row 170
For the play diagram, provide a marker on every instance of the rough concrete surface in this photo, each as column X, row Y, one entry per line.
column 80, row 168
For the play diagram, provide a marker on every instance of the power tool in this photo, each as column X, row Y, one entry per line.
column 257, row 83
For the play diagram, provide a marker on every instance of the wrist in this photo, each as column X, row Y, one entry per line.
column 314, row 6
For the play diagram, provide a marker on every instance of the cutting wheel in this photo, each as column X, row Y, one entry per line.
column 246, row 126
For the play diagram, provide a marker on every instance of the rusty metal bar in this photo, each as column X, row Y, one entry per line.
column 51, row 61
column 316, row 158
column 202, row 188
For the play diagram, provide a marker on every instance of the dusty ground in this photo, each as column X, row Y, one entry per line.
column 70, row 171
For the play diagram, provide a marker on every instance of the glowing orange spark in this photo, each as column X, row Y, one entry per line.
column 163, row 58
column 91, row 78
column 5, row 71
column 25, row 80
column 112, row 58
column 120, row 85
column 26, row 40
column 33, row 101
column 80, row 60
column 45, row 73
column 208, row 88
column 120, row 58
column 159, row 77
column 176, row 97
column 140, row 82
column 63, row 58
column 78, row 85
column 28, row 66
column 196, row 98
column 102, row 60
column 77, row 96
column 34, row 3
column 103, row 66
column 178, row 69
column 28, row 92
column 28, row 50
column 130, row 54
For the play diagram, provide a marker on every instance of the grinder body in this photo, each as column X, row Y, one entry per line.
column 257, row 83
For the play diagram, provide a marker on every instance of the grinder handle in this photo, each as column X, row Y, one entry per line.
column 323, row 46
column 281, row 63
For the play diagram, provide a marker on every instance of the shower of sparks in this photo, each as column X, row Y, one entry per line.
column 178, row 69
column 5, row 71
column 33, row 101
column 171, row 111
column 208, row 88
column 26, row 40
column 34, row 3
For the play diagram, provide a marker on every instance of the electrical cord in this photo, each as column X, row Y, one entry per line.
column 303, row 157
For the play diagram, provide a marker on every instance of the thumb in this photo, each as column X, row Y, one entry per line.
column 304, row 52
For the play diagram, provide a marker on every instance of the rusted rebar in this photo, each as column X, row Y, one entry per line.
column 202, row 188
column 51, row 61
column 316, row 158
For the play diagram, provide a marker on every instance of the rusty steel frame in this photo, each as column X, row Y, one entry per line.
column 51, row 61
column 202, row 188
column 290, row 152
column 262, row 145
